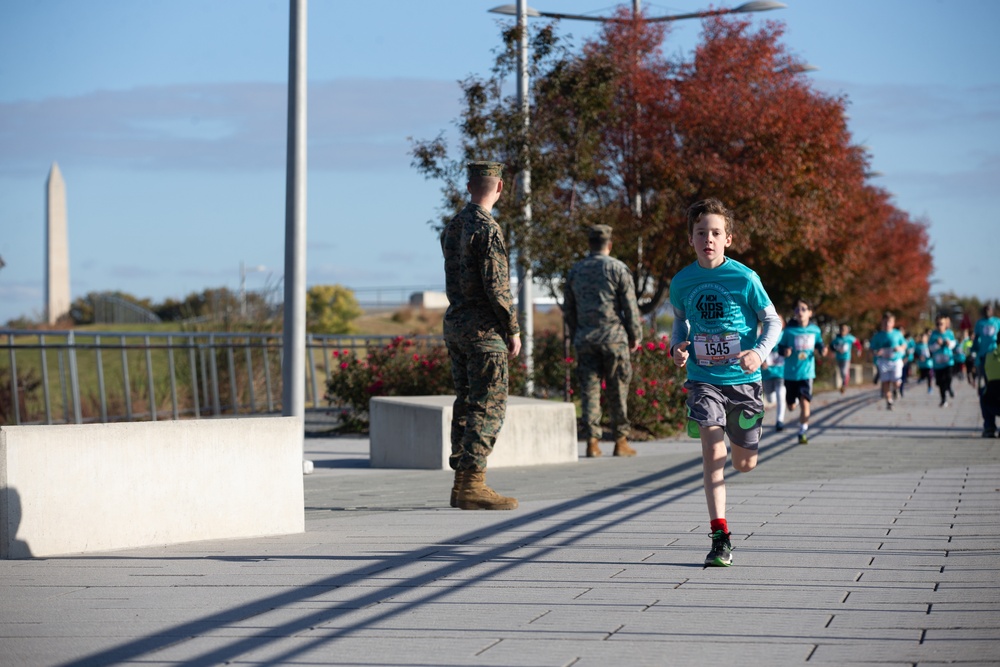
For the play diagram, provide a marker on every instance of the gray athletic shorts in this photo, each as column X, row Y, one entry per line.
column 772, row 384
column 738, row 408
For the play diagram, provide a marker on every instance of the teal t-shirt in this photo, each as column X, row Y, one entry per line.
column 910, row 347
column 801, row 365
column 720, row 306
column 940, row 345
column 885, row 340
column 842, row 346
column 958, row 354
column 923, row 356
column 986, row 335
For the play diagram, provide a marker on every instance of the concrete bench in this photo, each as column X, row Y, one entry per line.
column 94, row 487
column 415, row 432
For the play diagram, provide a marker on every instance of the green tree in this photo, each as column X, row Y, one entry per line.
column 330, row 309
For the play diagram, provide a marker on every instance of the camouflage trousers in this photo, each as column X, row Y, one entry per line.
column 480, row 380
column 613, row 364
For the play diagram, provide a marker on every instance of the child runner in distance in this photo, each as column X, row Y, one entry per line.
column 888, row 347
column 799, row 343
column 718, row 303
column 843, row 348
column 941, row 342
column 925, row 363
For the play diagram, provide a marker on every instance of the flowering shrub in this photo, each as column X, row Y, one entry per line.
column 551, row 364
column 405, row 368
column 400, row 368
column 656, row 397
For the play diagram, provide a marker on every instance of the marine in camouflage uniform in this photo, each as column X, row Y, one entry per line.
column 603, row 318
column 480, row 327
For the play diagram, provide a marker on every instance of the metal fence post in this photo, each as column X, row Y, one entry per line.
column 193, row 363
column 45, row 378
column 149, row 378
column 214, row 372
column 232, row 375
column 251, row 398
column 62, row 384
column 267, row 378
column 13, row 380
column 100, row 380
column 128, row 386
column 173, row 383
column 74, row 378
column 312, row 371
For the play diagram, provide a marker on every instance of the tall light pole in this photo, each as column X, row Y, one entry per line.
column 525, row 276
column 293, row 378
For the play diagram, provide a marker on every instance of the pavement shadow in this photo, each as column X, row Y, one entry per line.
column 678, row 482
column 453, row 558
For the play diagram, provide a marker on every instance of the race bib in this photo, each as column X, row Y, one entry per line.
column 942, row 358
column 717, row 349
column 803, row 345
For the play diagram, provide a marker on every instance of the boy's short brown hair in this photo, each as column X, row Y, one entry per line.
column 710, row 206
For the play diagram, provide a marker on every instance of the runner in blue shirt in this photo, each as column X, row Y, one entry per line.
column 888, row 347
column 941, row 342
column 925, row 364
column 984, row 337
column 907, row 360
column 843, row 348
column 958, row 359
column 718, row 304
column 799, row 343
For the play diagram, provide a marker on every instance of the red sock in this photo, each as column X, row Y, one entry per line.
column 720, row 524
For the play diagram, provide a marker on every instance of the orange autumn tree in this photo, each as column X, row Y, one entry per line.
column 621, row 135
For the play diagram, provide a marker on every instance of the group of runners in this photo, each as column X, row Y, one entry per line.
column 939, row 356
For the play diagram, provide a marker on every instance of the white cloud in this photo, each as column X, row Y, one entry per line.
column 352, row 125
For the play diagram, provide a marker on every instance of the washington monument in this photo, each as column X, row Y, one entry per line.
column 56, row 248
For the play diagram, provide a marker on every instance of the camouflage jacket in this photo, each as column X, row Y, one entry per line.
column 600, row 304
column 477, row 281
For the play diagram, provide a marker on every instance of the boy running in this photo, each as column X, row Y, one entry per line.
column 800, row 341
column 888, row 347
column 718, row 303
column 941, row 342
column 843, row 346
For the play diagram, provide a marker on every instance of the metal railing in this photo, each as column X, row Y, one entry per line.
column 69, row 377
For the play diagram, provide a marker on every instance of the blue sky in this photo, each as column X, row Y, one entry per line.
column 167, row 119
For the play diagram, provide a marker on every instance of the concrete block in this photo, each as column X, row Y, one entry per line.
column 94, row 487
column 429, row 300
column 415, row 432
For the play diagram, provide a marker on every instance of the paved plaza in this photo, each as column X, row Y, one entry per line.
column 875, row 544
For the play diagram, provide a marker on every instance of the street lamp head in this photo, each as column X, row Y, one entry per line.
column 757, row 6
column 511, row 10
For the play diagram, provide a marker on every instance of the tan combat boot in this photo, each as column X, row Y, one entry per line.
column 593, row 450
column 622, row 447
column 454, row 488
column 473, row 494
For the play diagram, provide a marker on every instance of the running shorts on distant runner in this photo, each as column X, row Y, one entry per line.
column 738, row 408
column 889, row 370
column 796, row 389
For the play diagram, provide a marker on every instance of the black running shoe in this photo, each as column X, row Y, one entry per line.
column 721, row 554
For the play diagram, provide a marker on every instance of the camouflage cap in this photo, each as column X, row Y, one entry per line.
column 485, row 168
column 600, row 233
